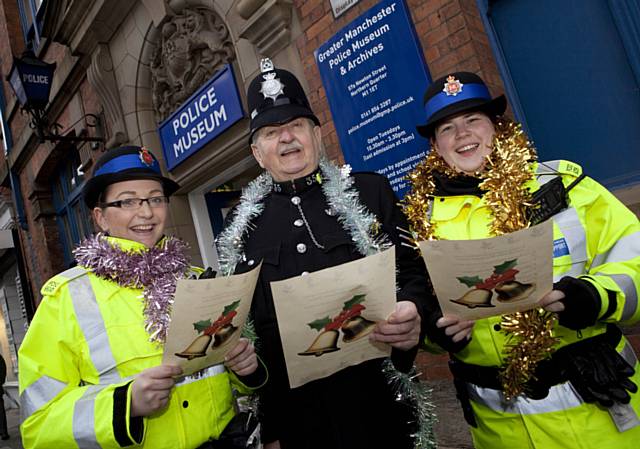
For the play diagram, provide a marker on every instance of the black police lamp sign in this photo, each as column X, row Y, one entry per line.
column 375, row 76
column 211, row 110
column 32, row 83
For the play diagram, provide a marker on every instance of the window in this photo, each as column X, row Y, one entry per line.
column 71, row 213
column 5, row 132
column 31, row 15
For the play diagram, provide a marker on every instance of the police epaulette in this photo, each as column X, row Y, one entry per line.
column 53, row 284
column 559, row 167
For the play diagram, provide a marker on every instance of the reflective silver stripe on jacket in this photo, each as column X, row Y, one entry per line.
column 626, row 285
column 546, row 171
column 575, row 235
column 561, row 397
column 92, row 325
column 548, row 167
column 46, row 388
column 84, row 429
column 625, row 249
column 38, row 394
column 207, row 372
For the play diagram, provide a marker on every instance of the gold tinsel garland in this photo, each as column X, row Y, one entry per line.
column 417, row 202
column 504, row 176
column 531, row 342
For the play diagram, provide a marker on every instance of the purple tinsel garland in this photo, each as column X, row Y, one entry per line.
column 155, row 270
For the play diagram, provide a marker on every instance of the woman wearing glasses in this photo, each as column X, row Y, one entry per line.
column 90, row 365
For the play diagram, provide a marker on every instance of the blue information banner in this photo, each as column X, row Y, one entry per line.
column 375, row 77
column 210, row 111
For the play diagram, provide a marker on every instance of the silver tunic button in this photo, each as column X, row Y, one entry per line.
column 304, row 273
column 298, row 222
column 301, row 248
column 295, row 200
column 251, row 262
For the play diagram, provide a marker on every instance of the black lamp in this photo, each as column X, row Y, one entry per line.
column 30, row 78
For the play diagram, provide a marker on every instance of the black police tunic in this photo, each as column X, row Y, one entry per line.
column 354, row 408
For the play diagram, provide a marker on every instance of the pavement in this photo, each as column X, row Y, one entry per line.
column 451, row 431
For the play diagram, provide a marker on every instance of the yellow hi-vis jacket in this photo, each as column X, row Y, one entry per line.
column 597, row 239
column 84, row 346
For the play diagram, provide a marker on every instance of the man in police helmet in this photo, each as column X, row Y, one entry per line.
column 290, row 223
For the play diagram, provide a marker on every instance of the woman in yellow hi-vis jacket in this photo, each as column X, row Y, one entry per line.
column 480, row 173
column 90, row 365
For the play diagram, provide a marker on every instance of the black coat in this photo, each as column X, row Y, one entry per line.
column 354, row 408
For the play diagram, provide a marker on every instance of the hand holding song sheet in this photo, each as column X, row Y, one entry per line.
column 495, row 276
column 207, row 319
column 325, row 317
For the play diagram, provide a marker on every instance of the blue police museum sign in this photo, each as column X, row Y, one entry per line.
column 210, row 111
column 375, row 77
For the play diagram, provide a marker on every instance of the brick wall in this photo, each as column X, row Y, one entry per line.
column 13, row 46
column 11, row 34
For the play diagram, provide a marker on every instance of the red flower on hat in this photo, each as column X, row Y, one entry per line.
column 146, row 157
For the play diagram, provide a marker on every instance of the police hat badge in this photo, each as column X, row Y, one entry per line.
column 452, row 86
column 275, row 96
column 271, row 87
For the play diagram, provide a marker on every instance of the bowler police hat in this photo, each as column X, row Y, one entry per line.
column 276, row 97
column 455, row 93
column 124, row 164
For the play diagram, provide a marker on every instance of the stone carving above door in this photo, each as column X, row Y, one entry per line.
column 193, row 46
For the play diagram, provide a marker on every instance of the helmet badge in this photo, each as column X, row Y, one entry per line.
column 452, row 86
column 271, row 86
column 146, row 157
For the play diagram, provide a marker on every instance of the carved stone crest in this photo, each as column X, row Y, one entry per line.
column 194, row 45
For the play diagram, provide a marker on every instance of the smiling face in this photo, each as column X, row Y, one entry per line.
column 464, row 141
column 288, row 151
column 145, row 224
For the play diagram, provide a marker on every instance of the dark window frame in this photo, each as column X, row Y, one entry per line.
column 72, row 216
column 31, row 29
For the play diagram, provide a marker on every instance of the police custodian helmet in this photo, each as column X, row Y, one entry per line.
column 276, row 97
column 455, row 93
column 124, row 164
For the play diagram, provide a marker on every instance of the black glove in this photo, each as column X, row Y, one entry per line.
column 241, row 432
column 209, row 273
column 581, row 301
column 597, row 371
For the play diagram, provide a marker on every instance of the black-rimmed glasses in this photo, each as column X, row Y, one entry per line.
column 136, row 203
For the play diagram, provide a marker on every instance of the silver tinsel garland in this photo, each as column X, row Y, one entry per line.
column 364, row 229
column 154, row 270
column 361, row 224
column 417, row 395
column 230, row 243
